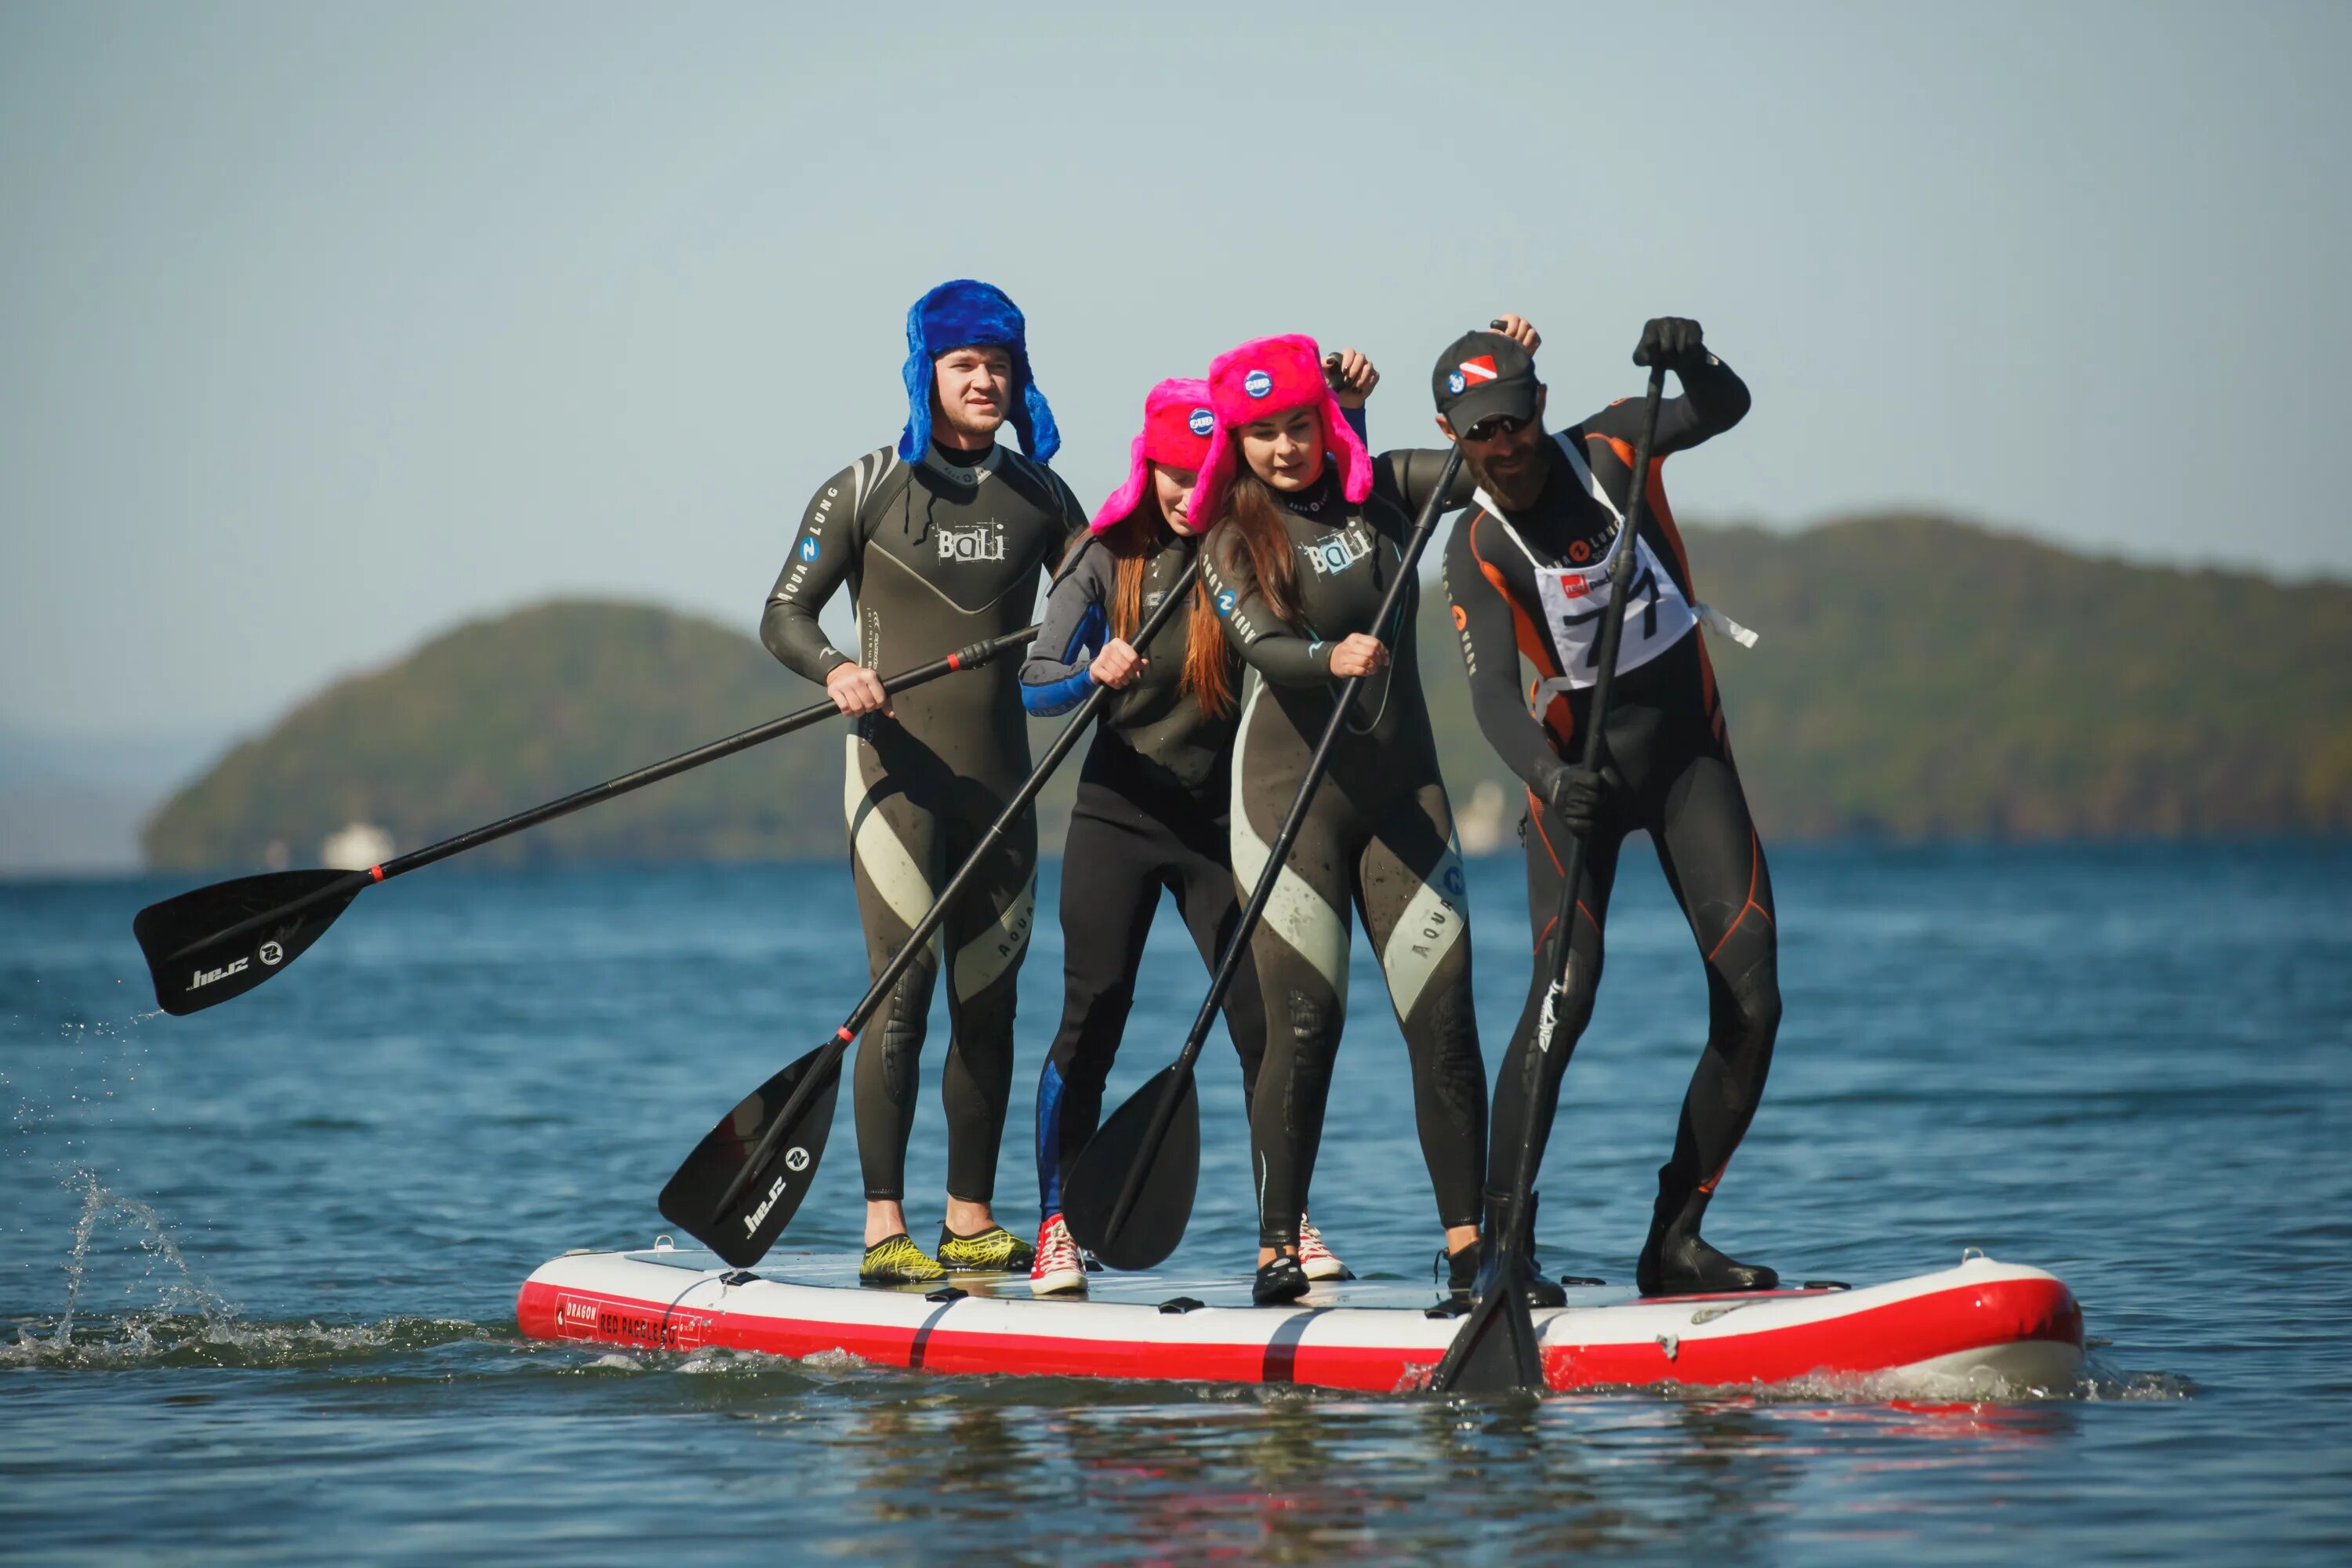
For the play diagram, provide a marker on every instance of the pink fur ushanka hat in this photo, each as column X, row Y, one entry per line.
column 1266, row 376
column 1177, row 424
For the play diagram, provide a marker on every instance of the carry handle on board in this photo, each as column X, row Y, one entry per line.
column 1128, row 1196
column 742, row 1184
column 1495, row 1350
column 214, row 943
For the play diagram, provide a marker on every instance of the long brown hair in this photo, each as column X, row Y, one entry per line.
column 1254, row 518
column 1208, row 663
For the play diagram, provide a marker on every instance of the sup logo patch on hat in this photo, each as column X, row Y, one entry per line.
column 1204, row 422
column 1257, row 384
column 1454, row 382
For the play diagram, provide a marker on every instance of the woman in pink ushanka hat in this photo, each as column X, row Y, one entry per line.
column 1151, row 803
column 1305, row 532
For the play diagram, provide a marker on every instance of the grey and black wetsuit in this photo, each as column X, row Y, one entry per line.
column 1150, row 814
column 1528, row 584
column 937, row 555
column 1378, row 836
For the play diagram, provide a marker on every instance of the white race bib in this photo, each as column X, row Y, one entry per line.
column 1657, row 617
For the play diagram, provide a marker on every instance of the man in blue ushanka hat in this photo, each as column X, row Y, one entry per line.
column 969, row 315
column 942, row 540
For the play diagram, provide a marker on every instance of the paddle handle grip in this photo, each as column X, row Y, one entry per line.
column 1596, row 753
column 1229, row 962
column 941, row 906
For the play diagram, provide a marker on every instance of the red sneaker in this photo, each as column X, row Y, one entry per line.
column 1059, row 1269
column 1317, row 1260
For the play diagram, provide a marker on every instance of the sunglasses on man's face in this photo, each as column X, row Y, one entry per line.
column 1495, row 428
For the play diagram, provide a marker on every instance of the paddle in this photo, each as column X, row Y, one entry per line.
column 218, row 942
column 1495, row 1350
column 745, row 1180
column 1129, row 1194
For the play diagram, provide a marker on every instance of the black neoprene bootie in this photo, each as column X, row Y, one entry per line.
column 1676, row 1262
column 1461, row 1271
column 1462, row 1268
column 1539, row 1291
column 1278, row 1281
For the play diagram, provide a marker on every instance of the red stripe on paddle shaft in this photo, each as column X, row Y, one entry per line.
column 376, row 872
column 1965, row 1318
column 843, row 1034
column 955, row 661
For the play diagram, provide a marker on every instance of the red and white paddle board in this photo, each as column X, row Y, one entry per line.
column 1993, row 1327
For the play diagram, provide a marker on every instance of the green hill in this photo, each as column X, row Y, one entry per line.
column 498, row 714
column 1921, row 678
column 1917, row 678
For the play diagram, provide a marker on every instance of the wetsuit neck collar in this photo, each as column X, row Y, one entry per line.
column 1320, row 501
column 959, row 464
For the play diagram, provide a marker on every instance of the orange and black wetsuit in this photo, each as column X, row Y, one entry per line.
column 1665, row 741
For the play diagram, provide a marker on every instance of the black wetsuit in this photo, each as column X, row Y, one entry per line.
column 1378, row 835
column 1149, row 814
column 936, row 556
column 1665, row 739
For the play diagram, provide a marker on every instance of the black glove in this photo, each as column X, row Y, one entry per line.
column 1671, row 341
column 1573, row 795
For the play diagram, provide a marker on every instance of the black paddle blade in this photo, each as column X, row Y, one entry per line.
column 1495, row 1350
column 189, row 981
column 743, row 1231
column 1163, row 1203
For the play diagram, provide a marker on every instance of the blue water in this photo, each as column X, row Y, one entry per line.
column 256, row 1292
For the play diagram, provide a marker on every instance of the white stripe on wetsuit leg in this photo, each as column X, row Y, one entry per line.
column 888, row 863
column 1296, row 913
column 997, row 947
column 1435, row 918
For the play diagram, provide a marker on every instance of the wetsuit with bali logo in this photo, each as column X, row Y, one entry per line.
column 1532, row 586
column 937, row 555
column 1150, row 814
column 1378, row 835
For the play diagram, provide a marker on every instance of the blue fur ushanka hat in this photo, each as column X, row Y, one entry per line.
column 957, row 314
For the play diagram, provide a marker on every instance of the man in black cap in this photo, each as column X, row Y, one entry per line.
column 1525, row 569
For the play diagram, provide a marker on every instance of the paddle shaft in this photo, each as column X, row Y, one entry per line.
column 822, row 1069
column 1229, row 962
column 970, row 658
column 1596, row 753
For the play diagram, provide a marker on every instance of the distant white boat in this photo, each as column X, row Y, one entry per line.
column 1479, row 820
column 355, row 846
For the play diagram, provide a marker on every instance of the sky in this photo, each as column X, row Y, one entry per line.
column 327, row 326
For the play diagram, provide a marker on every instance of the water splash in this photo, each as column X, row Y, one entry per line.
column 185, row 1322
column 2102, row 1380
column 178, row 1296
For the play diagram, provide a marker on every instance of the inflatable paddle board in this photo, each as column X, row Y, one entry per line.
column 1987, row 1326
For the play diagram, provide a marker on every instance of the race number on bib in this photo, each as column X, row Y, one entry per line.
column 1656, row 616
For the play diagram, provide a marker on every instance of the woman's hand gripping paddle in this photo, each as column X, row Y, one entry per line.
column 1129, row 1194
column 1495, row 1350
column 746, row 1179
column 216, row 942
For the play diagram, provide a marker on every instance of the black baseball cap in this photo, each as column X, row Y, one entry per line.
column 1481, row 374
